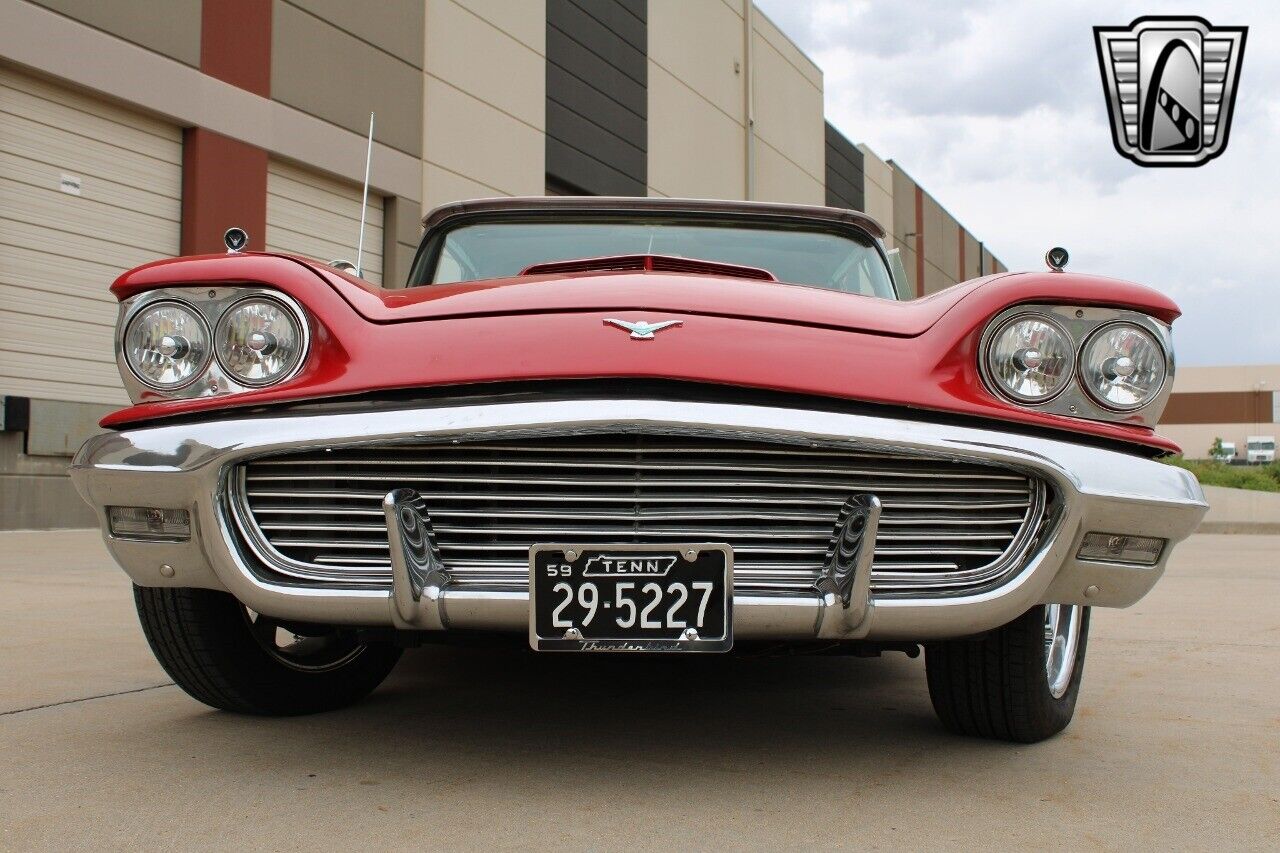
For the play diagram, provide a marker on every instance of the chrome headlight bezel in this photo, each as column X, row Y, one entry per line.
column 291, row 310
column 989, row 369
column 203, row 365
column 1083, row 378
column 1081, row 323
column 209, row 304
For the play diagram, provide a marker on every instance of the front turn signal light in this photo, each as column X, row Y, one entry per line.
column 1119, row 548
column 149, row 524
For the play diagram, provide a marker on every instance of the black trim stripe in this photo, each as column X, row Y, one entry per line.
column 846, row 183
column 597, row 96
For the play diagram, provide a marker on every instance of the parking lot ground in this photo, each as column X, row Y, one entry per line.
column 1176, row 742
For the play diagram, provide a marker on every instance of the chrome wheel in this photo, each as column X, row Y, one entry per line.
column 1061, row 641
column 325, row 650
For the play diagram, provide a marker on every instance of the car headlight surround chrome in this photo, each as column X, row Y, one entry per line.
column 1122, row 366
column 167, row 345
column 1086, row 326
column 260, row 341
column 210, row 305
column 1030, row 358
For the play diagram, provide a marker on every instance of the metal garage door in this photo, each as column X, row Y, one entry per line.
column 87, row 190
column 318, row 217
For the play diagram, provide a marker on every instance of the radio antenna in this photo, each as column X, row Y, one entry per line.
column 364, row 201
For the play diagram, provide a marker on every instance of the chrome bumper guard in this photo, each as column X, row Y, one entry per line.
column 190, row 465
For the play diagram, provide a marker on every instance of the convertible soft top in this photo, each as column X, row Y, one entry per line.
column 570, row 204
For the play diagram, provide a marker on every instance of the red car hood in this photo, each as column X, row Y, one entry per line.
column 716, row 296
column 751, row 334
column 677, row 293
column 722, row 296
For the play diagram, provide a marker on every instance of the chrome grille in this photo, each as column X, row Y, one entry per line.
column 946, row 527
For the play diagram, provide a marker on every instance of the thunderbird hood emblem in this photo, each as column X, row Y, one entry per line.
column 642, row 330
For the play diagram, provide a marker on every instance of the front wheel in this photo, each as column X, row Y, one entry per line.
column 1017, row 683
column 229, row 657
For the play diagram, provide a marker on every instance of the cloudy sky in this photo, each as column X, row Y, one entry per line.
column 997, row 109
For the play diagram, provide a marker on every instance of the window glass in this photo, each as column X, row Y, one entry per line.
column 846, row 262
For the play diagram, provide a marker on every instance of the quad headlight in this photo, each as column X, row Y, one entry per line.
column 165, row 349
column 166, row 345
column 1031, row 358
column 259, row 341
column 1099, row 363
column 1122, row 366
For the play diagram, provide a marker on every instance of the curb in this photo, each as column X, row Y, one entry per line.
column 1257, row 528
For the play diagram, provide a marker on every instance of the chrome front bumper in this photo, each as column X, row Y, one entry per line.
column 189, row 466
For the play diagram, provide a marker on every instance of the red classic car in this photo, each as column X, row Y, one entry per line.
column 635, row 425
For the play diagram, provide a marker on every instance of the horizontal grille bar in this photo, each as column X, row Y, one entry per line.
column 946, row 525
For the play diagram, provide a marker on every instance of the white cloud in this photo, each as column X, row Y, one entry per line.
column 997, row 110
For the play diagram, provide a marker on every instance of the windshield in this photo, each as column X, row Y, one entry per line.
column 802, row 254
column 1262, row 445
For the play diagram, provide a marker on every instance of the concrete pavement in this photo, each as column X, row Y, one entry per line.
column 1176, row 742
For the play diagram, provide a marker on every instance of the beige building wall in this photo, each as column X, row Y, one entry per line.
column 878, row 187
column 698, row 111
column 903, row 230
column 790, row 154
column 484, row 115
column 950, row 238
column 941, row 232
column 697, row 100
column 173, row 32
column 972, row 258
column 1247, row 377
column 989, row 262
column 382, row 47
column 941, row 247
column 318, row 216
column 308, row 35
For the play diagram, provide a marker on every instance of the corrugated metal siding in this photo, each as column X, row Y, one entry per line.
column 845, row 178
column 597, row 102
column 59, row 251
column 318, row 217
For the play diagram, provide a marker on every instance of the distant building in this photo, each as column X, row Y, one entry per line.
column 1230, row 403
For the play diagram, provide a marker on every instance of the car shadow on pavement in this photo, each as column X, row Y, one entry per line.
column 616, row 716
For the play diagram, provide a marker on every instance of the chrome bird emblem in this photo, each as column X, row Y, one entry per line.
column 642, row 330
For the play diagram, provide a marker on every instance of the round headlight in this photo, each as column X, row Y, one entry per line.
column 1030, row 358
column 166, row 345
column 259, row 341
column 1122, row 366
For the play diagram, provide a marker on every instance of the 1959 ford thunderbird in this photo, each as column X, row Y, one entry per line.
column 636, row 425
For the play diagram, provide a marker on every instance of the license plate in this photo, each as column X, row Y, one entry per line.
column 635, row 598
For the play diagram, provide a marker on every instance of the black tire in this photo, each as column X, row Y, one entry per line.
column 996, row 686
column 206, row 641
